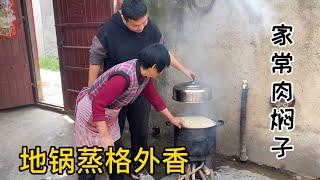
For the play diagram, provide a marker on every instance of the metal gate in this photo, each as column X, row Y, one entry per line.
column 77, row 21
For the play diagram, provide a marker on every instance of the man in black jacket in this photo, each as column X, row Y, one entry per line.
column 120, row 39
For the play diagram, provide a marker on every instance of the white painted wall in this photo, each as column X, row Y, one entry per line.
column 231, row 44
column 38, row 26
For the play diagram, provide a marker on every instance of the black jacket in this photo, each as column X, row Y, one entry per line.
column 122, row 44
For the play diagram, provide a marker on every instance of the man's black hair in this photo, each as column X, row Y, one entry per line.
column 133, row 9
column 154, row 54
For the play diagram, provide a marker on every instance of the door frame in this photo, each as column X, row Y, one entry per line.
column 31, row 43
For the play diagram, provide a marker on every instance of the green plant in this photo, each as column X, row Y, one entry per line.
column 49, row 63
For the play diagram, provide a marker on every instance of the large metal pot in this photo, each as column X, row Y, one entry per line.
column 200, row 142
column 192, row 92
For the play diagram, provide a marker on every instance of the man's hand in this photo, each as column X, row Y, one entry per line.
column 189, row 74
column 177, row 65
column 177, row 121
column 93, row 74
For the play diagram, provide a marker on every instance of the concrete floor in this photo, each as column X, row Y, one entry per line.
column 31, row 126
column 51, row 87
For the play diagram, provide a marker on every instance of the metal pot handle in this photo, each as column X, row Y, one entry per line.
column 220, row 123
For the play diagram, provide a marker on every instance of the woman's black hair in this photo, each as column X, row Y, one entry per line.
column 154, row 54
column 133, row 9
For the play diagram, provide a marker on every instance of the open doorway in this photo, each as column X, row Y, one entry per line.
column 51, row 89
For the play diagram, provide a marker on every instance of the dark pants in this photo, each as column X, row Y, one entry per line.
column 137, row 114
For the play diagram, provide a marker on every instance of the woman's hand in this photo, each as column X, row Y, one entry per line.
column 106, row 142
column 105, row 137
column 177, row 121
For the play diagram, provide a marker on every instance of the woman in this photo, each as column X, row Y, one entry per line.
column 97, row 107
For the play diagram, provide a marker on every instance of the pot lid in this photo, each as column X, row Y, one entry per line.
column 192, row 92
column 191, row 86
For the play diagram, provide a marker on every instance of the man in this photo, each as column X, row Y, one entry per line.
column 118, row 40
